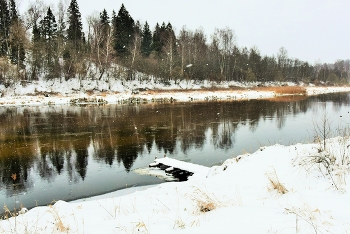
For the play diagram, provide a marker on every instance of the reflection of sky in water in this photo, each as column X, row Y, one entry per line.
column 206, row 134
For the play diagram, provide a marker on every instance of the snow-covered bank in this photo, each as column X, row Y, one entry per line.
column 278, row 189
column 57, row 91
column 312, row 90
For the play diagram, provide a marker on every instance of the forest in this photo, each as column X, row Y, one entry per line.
column 50, row 43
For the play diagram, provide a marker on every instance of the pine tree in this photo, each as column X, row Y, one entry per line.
column 159, row 38
column 36, row 52
column 74, row 31
column 104, row 22
column 146, row 41
column 123, row 32
column 5, row 22
column 75, row 41
column 169, row 38
column 48, row 28
column 13, row 11
column 157, row 42
column 114, row 20
column 36, row 34
column 104, row 18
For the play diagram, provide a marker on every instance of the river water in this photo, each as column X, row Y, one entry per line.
column 50, row 153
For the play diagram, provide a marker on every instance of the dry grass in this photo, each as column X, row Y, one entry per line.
column 287, row 90
column 275, row 183
column 204, row 202
column 179, row 223
column 7, row 213
column 89, row 92
column 296, row 90
column 309, row 219
column 141, row 227
column 58, row 221
column 206, row 206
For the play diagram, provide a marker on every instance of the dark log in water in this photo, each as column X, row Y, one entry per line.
column 178, row 169
column 177, row 173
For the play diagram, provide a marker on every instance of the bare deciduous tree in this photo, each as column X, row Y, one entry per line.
column 223, row 40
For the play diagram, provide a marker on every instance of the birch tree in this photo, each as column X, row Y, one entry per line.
column 223, row 40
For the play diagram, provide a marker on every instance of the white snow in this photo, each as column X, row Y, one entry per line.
column 148, row 89
column 239, row 196
column 312, row 90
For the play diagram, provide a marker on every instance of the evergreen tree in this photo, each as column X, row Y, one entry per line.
column 5, row 22
column 48, row 28
column 169, row 37
column 36, row 34
column 157, row 42
column 36, row 52
column 114, row 20
column 75, row 41
column 146, row 41
column 105, row 28
column 74, row 31
column 104, row 18
column 163, row 36
column 123, row 32
column 13, row 11
column 137, row 28
column 113, row 28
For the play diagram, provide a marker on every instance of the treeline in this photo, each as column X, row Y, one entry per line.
column 50, row 43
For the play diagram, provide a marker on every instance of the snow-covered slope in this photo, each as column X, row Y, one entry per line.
column 278, row 189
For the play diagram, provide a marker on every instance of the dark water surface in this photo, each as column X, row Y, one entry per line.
column 67, row 152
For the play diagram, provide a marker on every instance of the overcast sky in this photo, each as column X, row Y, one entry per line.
column 310, row 30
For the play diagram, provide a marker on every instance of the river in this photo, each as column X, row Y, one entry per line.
column 50, row 153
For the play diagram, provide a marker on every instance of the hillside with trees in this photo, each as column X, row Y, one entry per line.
column 50, row 43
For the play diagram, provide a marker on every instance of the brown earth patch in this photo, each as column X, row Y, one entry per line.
column 283, row 89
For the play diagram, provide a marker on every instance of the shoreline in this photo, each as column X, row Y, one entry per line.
column 276, row 185
column 167, row 96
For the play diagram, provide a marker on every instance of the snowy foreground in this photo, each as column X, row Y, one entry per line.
column 278, row 189
column 73, row 91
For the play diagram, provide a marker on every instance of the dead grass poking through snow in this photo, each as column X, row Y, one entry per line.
column 275, row 183
column 204, row 201
column 309, row 219
column 141, row 227
column 58, row 221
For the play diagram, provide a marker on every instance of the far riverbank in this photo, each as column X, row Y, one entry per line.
column 52, row 96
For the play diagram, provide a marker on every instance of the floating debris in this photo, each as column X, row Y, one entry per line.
column 177, row 169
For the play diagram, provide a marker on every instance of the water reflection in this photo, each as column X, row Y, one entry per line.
column 53, row 140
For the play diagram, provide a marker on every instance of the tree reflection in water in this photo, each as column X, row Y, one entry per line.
column 55, row 139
